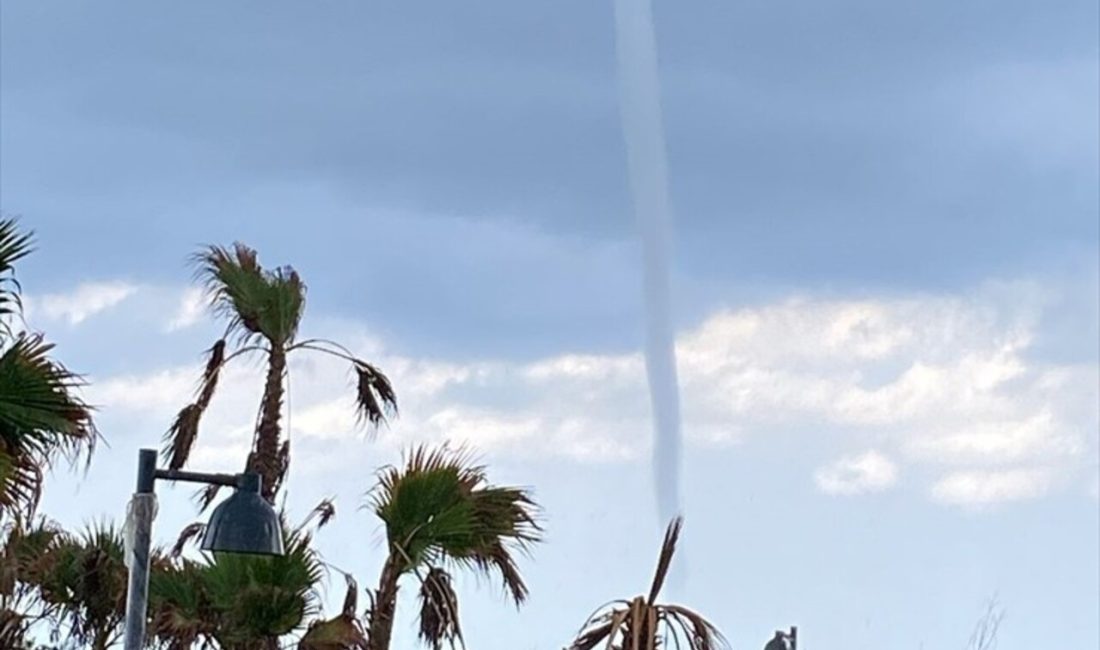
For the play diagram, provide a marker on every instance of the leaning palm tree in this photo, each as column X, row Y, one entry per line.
column 264, row 308
column 41, row 416
column 644, row 624
column 440, row 513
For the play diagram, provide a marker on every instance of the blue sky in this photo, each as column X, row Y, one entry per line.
column 886, row 283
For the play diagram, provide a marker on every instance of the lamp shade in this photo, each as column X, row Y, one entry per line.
column 244, row 523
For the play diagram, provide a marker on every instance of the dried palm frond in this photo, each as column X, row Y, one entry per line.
column 206, row 496
column 323, row 513
column 439, row 610
column 180, row 437
column 343, row 632
column 190, row 532
column 375, row 399
column 643, row 624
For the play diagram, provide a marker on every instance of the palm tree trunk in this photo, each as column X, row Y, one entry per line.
column 265, row 456
column 385, row 605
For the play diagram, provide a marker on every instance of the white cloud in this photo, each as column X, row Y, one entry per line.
column 870, row 471
column 192, row 306
column 981, row 488
column 940, row 384
column 87, row 300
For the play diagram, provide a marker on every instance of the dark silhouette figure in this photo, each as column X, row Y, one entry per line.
column 778, row 642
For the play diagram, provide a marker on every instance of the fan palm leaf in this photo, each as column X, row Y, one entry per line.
column 41, row 415
column 14, row 246
column 41, row 418
column 439, row 509
column 237, row 602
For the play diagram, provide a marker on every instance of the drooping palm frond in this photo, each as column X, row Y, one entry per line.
column 190, row 533
column 439, row 621
column 256, row 301
column 41, row 418
column 14, row 246
column 323, row 512
column 375, row 399
column 643, row 624
column 181, row 436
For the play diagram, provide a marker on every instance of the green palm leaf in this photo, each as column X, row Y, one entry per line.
column 14, row 246
column 41, row 418
column 439, row 509
column 257, row 302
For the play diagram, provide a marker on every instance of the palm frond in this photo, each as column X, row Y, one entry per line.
column 179, row 607
column 440, row 510
column 323, row 512
column 265, row 597
column 205, row 497
column 83, row 578
column 342, row 632
column 189, row 533
column 41, row 418
column 256, row 302
column 181, row 436
column 664, row 561
column 14, row 246
column 375, row 399
column 439, row 621
column 643, row 624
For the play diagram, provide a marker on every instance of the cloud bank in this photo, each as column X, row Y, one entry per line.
column 939, row 387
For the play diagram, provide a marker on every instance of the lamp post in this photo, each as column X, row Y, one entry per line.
column 243, row 523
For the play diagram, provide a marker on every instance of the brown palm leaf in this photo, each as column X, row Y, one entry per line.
column 190, row 532
column 180, row 437
column 323, row 513
column 643, row 624
column 439, row 610
column 343, row 632
column 375, row 399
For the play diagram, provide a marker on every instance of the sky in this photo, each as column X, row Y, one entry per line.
column 885, row 285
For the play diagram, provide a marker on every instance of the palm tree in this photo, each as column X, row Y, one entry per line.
column 74, row 584
column 440, row 513
column 264, row 309
column 21, row 606
column 41, row 416
column 644, row 624
column 237, row 602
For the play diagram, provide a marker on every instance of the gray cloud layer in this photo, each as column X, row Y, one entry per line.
column 853, row 143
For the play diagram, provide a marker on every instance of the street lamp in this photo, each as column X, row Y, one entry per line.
column 243, row 523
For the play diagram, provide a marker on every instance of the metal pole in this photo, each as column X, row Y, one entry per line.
column 794, row 637
column 142, row 507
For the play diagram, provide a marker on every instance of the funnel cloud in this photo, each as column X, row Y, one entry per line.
column 640, row 107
